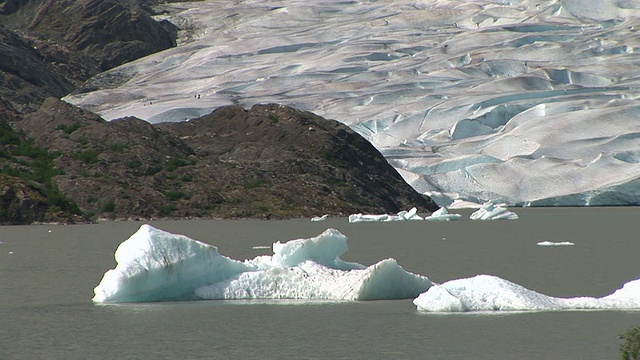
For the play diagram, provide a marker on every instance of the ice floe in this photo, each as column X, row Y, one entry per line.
column 400, row 216
column 555, row 243
column 491, row 293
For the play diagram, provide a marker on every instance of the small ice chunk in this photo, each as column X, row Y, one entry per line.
column 442, row 215
column 320, row 218
column 559, row 243
column 490, row 211
column 400, row 216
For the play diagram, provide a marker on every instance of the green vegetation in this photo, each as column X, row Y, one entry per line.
column 86, row 156
column 630, row 348
column 69, row 129
column 254, row 184
column 108, row 207
column 133, row 164
column 34, row 164
column 175, row 195
column 175, row 163
column 167, row 209
column 118, row 147
column 274, row 118
column 8, row 136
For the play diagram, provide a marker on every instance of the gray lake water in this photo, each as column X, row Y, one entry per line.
column 48, row 272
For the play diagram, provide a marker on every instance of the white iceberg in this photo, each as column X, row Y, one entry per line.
column 491, row 293
column 400, row 216
column 320, row 218
column 442, row 215
column 555, row 243
column 154, row 265
column 490, row 211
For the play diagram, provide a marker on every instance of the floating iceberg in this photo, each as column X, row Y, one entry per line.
column 490, row 211
column 154, row 265
column 491, row 293
column 552, row 243
column 400, row 216
column 320, row 218
column 442, row 215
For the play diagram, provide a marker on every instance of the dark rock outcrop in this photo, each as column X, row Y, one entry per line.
column 50, row 47
column 26, row 79
column 294, row 162
column 111, row 32
column 269, row 162
column 20, row 202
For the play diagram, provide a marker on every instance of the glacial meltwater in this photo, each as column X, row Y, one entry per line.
column 48, row 274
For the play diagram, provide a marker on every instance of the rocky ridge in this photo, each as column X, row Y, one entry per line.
column 269, row 162
column 59, row 163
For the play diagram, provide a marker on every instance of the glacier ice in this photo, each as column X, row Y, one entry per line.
column 491, row 293
column 491, row 211
column 522, row 102
column 442, row 214
column 439, row 215
column 154, row 265
column 555, row 243
column 400, row 216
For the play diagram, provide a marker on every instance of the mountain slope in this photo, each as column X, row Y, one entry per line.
column 267, row 162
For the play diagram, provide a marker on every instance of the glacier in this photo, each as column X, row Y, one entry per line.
column 527, row 103
column 155, row 265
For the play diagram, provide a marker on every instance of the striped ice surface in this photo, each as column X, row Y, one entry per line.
column 519, row 102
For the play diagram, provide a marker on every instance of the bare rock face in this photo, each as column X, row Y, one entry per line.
column 284, row 162
column 268, row 162
column 19, row 202
column 25, row 78
column 11, row 6
column 109, row 31
column 50, row 47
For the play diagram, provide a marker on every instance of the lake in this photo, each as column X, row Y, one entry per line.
column 48, row 272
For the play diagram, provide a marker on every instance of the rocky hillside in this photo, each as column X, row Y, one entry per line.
column 50, row 47
column 268, row 162
column 59, row 163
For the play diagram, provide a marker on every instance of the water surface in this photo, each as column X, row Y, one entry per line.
column 47, row 275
